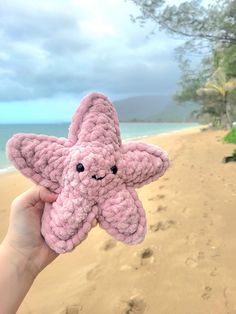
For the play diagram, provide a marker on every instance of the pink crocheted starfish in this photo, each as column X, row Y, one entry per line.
column 93, row 173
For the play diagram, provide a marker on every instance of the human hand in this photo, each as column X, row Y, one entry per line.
column 24, row 238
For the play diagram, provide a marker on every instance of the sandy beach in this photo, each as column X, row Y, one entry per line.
column 185, row 265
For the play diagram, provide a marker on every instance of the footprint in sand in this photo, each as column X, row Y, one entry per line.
column 95, row 272
column 202, row 232
column 213, row 273
column 201, row 255
column 209, row 242
column 194, row 261
column 108, row 245
column 191, row 262
column 162, row 225
column 139, row 259
column 184, row 210
column 214, row 245
column 161, row 196
column 127, row 267
column 207, row 293
column 146, row 253
column 157, row 197
column 72, row 309
column 135, row 305
column 161, row 208
column 192, row 238
column 146, row 256
column 158, row 210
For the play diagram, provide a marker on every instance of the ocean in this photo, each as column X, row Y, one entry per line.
column 129, row 131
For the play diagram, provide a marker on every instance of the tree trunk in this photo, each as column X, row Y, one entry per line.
column 227, row 111
column 222, row 112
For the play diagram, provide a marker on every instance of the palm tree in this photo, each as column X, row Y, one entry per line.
column 218, row 88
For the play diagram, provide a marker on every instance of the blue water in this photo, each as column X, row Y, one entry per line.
column 129, row 131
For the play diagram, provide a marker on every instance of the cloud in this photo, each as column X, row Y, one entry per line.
column 69, row 47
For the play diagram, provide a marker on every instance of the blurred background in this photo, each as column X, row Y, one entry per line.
column 158, row 61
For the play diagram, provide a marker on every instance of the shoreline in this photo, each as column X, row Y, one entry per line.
column 11, row 169
column 192, row 128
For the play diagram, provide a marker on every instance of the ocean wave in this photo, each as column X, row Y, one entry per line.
column 7, row 170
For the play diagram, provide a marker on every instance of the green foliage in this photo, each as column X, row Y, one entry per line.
column 229, row 61
column 191, row 79
column 230, row 137
column 219, row 89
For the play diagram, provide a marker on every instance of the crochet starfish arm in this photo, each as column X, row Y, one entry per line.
column 38, row 157
column 66, row 222
column 142, row 163
column 95, row 121
column 122, row 215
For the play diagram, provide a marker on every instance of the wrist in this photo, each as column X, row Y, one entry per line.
column 22, row 264
column 17, row 276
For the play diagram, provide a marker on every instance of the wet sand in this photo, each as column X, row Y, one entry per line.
column 185, row 265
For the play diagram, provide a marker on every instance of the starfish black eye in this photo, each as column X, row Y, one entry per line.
column 114, row 169
column 80, row 167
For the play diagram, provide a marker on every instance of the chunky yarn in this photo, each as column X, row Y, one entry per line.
column 94, row 174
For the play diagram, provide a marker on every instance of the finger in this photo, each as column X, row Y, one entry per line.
column 39, row 193
column 45, row 195
column 94, row 222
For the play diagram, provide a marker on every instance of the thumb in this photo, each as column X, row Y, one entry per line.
column 45, row 195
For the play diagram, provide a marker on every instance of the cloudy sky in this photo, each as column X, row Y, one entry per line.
column 54, row 52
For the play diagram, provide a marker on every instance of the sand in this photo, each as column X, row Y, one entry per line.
column 185, row 265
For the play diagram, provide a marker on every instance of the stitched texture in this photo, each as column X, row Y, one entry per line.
column 94, row 174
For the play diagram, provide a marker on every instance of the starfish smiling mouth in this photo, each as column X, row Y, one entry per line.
column 99, row 178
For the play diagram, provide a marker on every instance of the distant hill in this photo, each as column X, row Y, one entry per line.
column 157, row 108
